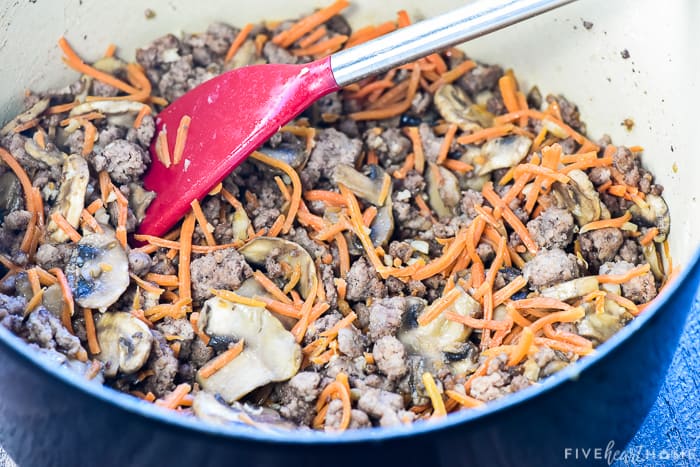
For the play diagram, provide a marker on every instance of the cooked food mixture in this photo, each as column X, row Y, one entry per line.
column 422, row 242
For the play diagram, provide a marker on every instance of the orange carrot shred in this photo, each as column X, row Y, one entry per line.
column 307, row 24
column 93, row 344
column 606, row 223
column 626, row 277
column 296, row 185
column 223, row 359
column 238, row 42
column 184, row 287
column 181, row 138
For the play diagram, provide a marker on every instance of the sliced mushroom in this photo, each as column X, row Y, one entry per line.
column 289, row 152
column 139, row 200
column 572, row 289
column 11, row 194
column 652, row 257
column 251, row 288
column 246, row 56
column 107, row 107
column 109, row 64
column 580, row 197
column 240, row 224
column 53, row 299
column 454, row 106
column 270, row 354
column 600, row 327
column 50, row 156
column 656, row 214
column 125, row 343
column 382, row 227
column 71, row 195
column 443, row 191
column 29, row 114
column 208, row 408
column 501, row 153
column 98, row 271
column 261, row 248
column 367, row 187
column 441, row 335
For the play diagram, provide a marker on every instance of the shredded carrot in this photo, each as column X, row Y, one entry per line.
column 221, row 360
column 238, row 42
column 403, row 19
column 29, row 198
column 450, row 76
column 388, row 111
column 271, row 287
column 446, row 143
column 307, row 24
column 463, row 400
column 508, row 89
column 75, row 62
column 296, row 185
column 457, row 165
column 203, row 223
column 34, row 302
column 181, row 138
column 165, row 280
column 299, row 329
column 434, row 395
column 486, row 134
column 541, row 171
column 369, row 215
column 321, row 48
column 626, row 277
column 90, row 221
column 184, row 288
column 606, row 223
column 33, row 277
column 438, row 306
column 343, row 253
column 174, row 398
column 503, row 294
column 332, row 332
column 313, row 36
column 28, row 125
column 162, row 151
column 337, row 389
column 648, row 236
column 93, row 345
column 510, row 217
column 414, row 135
column 329, row 197
column 438, row 265
column 61, row 108
column 521, row 349
column 68, row 305
column 65, row 226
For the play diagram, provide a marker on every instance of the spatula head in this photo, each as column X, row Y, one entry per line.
column 231, row 116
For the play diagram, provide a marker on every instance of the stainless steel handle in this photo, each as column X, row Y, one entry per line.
column 423, row 38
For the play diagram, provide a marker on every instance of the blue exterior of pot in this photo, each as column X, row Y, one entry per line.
column 48, row 417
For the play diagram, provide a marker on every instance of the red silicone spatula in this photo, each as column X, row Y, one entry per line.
column 236, row 112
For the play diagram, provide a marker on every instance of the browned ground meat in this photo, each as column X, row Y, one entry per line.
column 332, row 148
column 549, row 267
column 600, row 246
column 364, row 282
column 385, row 316
column 390, row 357
column 553, row 229
column 163, row 364
column 225, row 269
column 640, row 289
column 298, row 395
column 381, row 354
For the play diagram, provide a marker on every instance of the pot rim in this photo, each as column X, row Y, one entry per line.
column 312, row 437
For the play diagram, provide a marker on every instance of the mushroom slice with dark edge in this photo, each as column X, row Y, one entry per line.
column 443, row 190
column 501, row 153
column 572, row 289
column 367, row 187
column 98, row 271
column 210, row 409
column 292, row 153
column 50, row 155
column 125, row 342
column 455, row 107
column 654, row 214
column 441, row 335
column 71, row 195
column 26, row 116
column 11, row 194
column 284, row 251
column 580, row 197
column 270, row 354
